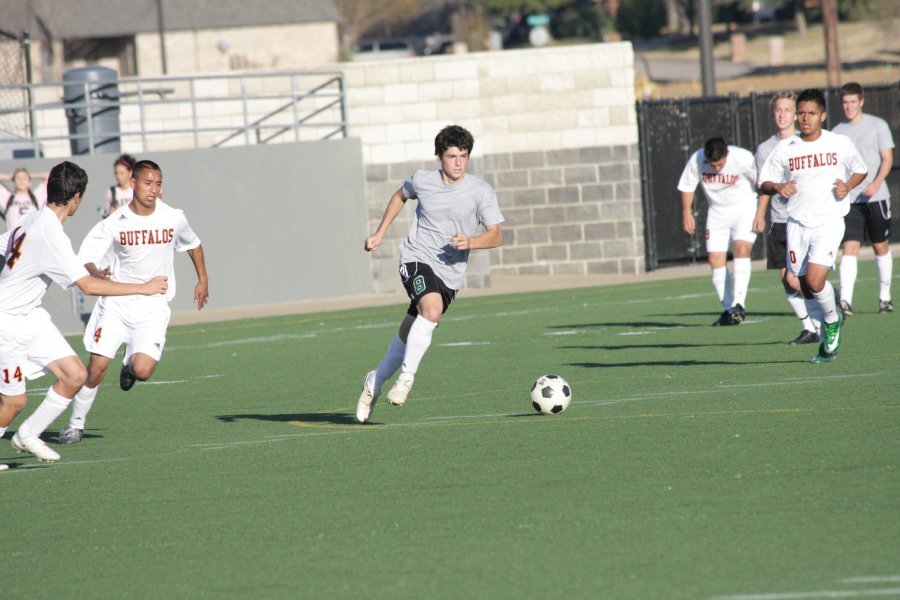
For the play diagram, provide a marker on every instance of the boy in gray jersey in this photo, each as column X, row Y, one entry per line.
column 870, row 208
column 451, row 206
column 784, row 115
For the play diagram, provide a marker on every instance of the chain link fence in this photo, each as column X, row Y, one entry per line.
column 672, row 130
column 12, row 72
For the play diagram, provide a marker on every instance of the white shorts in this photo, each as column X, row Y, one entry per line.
column 721, row 229
column 28, row 343
column 138, row 325
column 817, row 245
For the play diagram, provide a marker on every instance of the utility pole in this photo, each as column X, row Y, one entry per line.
column 162, row 35
column 832, row 51
column 707, row 74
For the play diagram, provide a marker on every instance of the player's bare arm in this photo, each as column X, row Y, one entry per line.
column 201, row 290
column 687, row 213
column 491, row 238
column 759, row 220
column 842, row 188
column 395, row 205
column 785, row 190
column 95, row 286
column 887, row 162
column 95, row 272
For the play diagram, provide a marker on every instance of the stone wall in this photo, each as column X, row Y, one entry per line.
column 555, row 134
column 568, row 212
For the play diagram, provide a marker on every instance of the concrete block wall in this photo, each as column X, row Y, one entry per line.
column 572, row 211
column 555, row 134
column 512, row 101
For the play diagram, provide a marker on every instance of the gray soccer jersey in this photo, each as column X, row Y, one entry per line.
column 870, row 136
column 444, row 209
column 777, row 204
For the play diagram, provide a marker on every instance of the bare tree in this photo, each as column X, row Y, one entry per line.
column 360, row 16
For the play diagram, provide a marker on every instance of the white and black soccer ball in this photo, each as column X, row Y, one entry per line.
column 550, row 394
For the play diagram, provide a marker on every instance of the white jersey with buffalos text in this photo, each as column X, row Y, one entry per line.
column 726, row 190
column 138, row 248
column 814, row 166
column 37, row 252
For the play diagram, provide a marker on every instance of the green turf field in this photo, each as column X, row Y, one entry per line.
column 693, row 462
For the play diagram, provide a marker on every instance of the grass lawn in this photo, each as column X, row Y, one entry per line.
column 693, row 462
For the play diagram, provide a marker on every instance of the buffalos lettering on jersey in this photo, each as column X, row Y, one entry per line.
column 811, row 161
column 141, row 237
column 725, row 178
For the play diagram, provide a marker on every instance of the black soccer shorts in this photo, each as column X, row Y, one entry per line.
column 419, row 279
column 776, row 246
column 872, row 218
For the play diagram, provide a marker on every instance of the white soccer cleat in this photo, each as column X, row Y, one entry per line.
column 398, row 393
column 4, row 467
column 366, row 403
column 34, row 445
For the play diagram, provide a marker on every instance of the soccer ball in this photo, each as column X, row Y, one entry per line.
column 550, row 394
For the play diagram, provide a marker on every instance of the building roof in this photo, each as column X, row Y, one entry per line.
column 78, row 19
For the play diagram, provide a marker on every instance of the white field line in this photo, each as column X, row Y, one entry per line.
column 392, row 325
column 814, row 594
column 325, row 429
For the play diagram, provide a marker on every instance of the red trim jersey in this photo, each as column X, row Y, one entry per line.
column 814, row 166
column 728, row 190
column 38, row 253
column 138, row 248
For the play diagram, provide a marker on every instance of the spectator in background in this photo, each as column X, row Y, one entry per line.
column 23, row 199
column 120, row 194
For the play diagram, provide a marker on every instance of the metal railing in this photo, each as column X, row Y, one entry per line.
column 180, row 112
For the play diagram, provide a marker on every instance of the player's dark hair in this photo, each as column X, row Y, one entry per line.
column 852, row 89
column 126, row 160
column 715, row 149
column 141, row 165
column 64, row 181
column 812, row 95
column 453, row 136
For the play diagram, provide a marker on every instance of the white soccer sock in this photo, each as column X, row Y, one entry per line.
column 392, row 360
column 2, row 431
column 417, row 343
column 81, row 406
column 798, row 305
column 719, row 281
column 742, row 270
column 848, row 269
column 885, row 267
column 825, row 298
column 47, row 412
column 815, row 316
